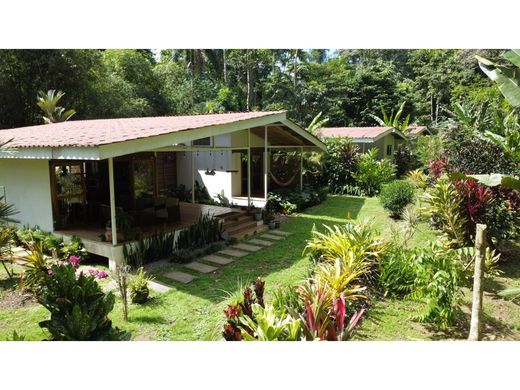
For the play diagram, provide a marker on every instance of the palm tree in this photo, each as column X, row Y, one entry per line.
column 6, row 212
column 48, row 102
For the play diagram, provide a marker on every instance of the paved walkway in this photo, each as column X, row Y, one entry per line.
column 227, row 256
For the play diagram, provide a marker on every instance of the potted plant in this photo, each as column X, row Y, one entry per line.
column 138, row 286
column 258, row 214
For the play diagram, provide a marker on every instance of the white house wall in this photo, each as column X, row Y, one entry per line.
column 27, row 186
column 219, row 160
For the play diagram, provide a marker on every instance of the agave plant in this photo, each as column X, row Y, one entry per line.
column 48, row 102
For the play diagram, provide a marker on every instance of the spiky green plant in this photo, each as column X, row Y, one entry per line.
column 48, row 102
column 392, row 120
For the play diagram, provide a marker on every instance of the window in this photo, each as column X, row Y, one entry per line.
column 388, row 150
column 202, row 142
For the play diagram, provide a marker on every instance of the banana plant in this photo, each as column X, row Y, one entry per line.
column 317, row 123
column 48, row 102
column 393, row 120
column 506, row 75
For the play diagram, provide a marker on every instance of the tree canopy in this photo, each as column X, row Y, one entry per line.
column 347, row 86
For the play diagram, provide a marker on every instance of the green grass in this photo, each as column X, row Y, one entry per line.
column 194, row 311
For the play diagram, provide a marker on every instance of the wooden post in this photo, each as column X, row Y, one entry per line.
column 266, row 163
column 192, row 177
column 301, row 169
column 248, row 167
column 113, row 220
column 476, row 310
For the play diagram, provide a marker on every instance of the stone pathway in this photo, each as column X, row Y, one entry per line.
column 200, row 267
column 272, row 236
column 218, row 259
column 261, row 242
column 226, row 256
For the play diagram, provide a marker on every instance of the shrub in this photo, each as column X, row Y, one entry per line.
column 139, row 286
column 405, row 160
column 397, row 271
column 437, row 281
column 340, row 164
column 418, row 178
column 395, row 196
column 445, row 204
column 428, row 148
column 79, row 308
column 373, row 173
column 288, row 202
column 470, row 154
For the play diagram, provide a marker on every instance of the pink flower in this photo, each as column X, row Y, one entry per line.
column 50, row 272
column 74, row 260
column 102, row 275
column 93, row 272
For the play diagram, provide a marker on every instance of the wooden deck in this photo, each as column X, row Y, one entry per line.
column 190, row 213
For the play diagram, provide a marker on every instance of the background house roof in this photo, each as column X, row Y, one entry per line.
column 354, row 132
column 416, row 130
column 96, row 132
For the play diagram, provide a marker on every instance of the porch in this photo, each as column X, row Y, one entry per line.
column 91, row 234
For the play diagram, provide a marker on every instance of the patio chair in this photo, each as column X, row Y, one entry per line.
column 167, row 209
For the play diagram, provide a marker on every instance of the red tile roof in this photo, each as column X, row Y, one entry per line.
column 91, row 133
column 353, row 132
column 416, row 129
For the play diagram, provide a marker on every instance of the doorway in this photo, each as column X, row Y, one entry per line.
column 68, row 194
column 257, row 173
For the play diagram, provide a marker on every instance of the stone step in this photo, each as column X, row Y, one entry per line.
column 232, row 252
column 179, row 276
column 200, row 267
column 233, row 229
column 247, row 233
column 217, row 259
column 246, row 247
column 280, row 233
column 258, row 241
column 158, row 286
column 272, row 236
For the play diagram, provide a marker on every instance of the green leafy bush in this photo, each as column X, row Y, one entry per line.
column 405, row 160
column 470, row 154
column 340, row 164
column 444, row 205
column 437, row 282
column 373, row 173
column 288, row 202
column 79, row 308
column 395, row 196
column 397, row 271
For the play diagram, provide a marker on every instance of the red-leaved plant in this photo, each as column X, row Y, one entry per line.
column 320, row 323
column 438, row 167
column 475, row 197
column 233, row 313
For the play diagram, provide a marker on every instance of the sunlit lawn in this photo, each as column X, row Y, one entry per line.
column 194, row 311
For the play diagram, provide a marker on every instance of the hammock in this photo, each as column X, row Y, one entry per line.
column 281, row 183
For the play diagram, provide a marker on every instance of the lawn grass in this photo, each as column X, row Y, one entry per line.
column 194, row 311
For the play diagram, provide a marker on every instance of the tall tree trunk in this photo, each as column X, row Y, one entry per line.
column 476, row 309
column 250, row 74
column 225, row 66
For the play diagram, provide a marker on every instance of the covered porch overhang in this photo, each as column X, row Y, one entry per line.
column 264, row 133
